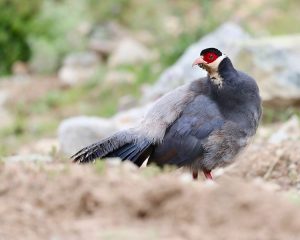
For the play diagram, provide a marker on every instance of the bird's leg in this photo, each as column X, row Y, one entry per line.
column 207, row 174
column 195, row 175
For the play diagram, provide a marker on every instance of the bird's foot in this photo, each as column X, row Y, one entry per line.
column 208, row 175
column 195, row 175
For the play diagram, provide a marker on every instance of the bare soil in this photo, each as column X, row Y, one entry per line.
column 63, row 201
column 276, row 164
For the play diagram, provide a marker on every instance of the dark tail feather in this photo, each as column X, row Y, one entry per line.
column 124, row 145
column 133, row 152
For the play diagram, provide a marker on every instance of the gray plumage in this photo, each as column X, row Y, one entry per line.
column 201, row 125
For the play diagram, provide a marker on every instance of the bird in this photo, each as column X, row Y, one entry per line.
column 201, row 125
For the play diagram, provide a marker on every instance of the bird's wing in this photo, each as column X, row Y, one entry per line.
column 182, row 143
column 136, row 144
column 168, row 108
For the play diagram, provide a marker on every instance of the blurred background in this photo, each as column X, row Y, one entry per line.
column 62, row 58
column 75, row 71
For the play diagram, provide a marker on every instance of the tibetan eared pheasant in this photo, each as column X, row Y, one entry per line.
column 200, row 125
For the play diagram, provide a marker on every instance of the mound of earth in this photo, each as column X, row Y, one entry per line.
column 63, row 201
column 276, row 163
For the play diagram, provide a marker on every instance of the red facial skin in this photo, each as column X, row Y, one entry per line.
column 210, row 57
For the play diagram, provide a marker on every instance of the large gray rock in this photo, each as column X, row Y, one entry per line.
column 228, row 38
column 274, row 62
column 130, row 118
column 78, row 132
column 79, row 67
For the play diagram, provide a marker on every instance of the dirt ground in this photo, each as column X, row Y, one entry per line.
column 257, row 199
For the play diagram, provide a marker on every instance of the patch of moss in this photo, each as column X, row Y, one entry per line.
column 100, row 167
column 273, row 115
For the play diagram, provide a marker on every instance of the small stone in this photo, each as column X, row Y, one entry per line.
column 115, row 77
column 43, row 146
column 105, row 38
column 20, row 68
column 269, row 186
column 290, row 130
column 78, row 68
column 28, row 158
column 219, row 172
column 186, row 177
column 130, row 52
column 126, row 102
column 129, row 166
column 113, row 162
column 5, row 96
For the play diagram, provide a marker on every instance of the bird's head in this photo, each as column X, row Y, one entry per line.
column 209, row 60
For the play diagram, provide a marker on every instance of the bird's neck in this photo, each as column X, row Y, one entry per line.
column 223, row 74
column 227, row 72
column 228, row 91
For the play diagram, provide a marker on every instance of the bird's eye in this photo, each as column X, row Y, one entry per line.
column 211, row 57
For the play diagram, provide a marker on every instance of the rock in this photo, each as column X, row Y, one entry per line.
column 20, row 72
column 79, row 67
column 130, row 118
column 116, row 77
column 28, row 158
column 274, row 62
column 84, row 28
column 228, row 38
column 129, row 52
column 288, row 131
column 145, row 37
column 126, row 102
column 78, row 132
column 5, row 116
column 45, row 57
column 114, row 162
column 43, row 146
column 4, row 96
column 105, row 38
column 20, row 68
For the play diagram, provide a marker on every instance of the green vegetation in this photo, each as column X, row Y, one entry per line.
column 283, row 22
column 100, row 167
column 42, row 32
column 271, row 115
column 16, row 24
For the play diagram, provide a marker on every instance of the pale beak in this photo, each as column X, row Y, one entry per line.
column 199, row 61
